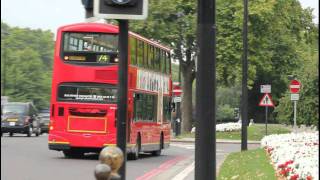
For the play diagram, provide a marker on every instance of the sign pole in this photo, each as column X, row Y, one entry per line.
column 266, row 120
column 295, row 116
column 122, row 93
column 295, row 86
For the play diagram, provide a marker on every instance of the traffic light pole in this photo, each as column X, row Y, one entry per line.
column 205, row 152
column 122, row 93
column 244, row 102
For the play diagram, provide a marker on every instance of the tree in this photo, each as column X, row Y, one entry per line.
column 275, row 32
column 275, row 47
column 26, row 60
column 308, row 75
column 174, row 23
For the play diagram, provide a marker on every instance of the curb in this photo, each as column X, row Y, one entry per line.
column 218, row 141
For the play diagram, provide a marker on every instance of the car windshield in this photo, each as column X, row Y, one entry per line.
column 14, row 109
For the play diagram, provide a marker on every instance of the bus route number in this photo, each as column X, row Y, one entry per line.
column 103, row 58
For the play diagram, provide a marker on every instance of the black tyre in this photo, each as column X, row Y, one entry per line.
column 158, row 152
column 38, row 131
column 10, row 134
column 72, row 154
column 30, row 131
column 137, row 148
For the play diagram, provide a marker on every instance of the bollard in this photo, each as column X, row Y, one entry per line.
column 111, row 159
column 102, row 172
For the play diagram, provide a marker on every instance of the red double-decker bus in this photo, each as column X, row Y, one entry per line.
column 84, row 92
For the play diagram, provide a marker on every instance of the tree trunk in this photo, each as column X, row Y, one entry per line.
column 186, row 104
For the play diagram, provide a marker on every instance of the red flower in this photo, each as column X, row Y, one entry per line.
column 282, row 166
column 289, row 162
column 294, row 177
column 283, row 172
column 309, row 177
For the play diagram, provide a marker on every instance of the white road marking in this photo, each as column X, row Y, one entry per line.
column 190, row 146
column 184, row 173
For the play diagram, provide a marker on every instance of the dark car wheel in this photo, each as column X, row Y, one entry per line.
column 11, row 134
column 38, row 131
column 30, row 130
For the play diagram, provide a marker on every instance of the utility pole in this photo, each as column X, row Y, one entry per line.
column 205, row 152
column 123, row 92
column 244, row 102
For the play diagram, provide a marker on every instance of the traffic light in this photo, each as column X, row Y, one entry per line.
column 88, row 6
column 121, row 9
column 121, row 2
column 236, row 113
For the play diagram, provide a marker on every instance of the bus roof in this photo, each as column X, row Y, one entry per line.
column 103, row 28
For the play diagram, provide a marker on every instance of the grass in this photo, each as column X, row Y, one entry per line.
column 247, row 165
column 255, row 132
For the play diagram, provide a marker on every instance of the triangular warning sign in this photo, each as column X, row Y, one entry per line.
column 266, row 100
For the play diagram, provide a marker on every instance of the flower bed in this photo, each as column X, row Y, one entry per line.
column 228, row 127
column 294, row 155
column 225, row 127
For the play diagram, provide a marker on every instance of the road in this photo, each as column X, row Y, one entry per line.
column 28, row 158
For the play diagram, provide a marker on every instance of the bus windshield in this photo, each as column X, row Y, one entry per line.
column 89, row 48
column 87, row 93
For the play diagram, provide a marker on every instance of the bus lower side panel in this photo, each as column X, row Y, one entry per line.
column 144, row 148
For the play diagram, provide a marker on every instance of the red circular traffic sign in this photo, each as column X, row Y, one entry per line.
column 177, row 91
column 295, row 86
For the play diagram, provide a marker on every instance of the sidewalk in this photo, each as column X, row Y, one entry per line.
column 192, row 140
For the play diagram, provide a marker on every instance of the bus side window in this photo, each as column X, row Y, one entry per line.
column 144, row 107
column 163, row 61
column 133, row 51
column 167, row 63
column 145, row 55
column 155, row 107
column 140, row 54
column 137, row 107
column 157, row 59
column 151, row 57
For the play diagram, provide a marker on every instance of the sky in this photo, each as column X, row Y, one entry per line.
column 51, row 14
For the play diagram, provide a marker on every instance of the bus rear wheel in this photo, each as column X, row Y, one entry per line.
column 158, row 152
column 135, row 154
column 72, row 154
